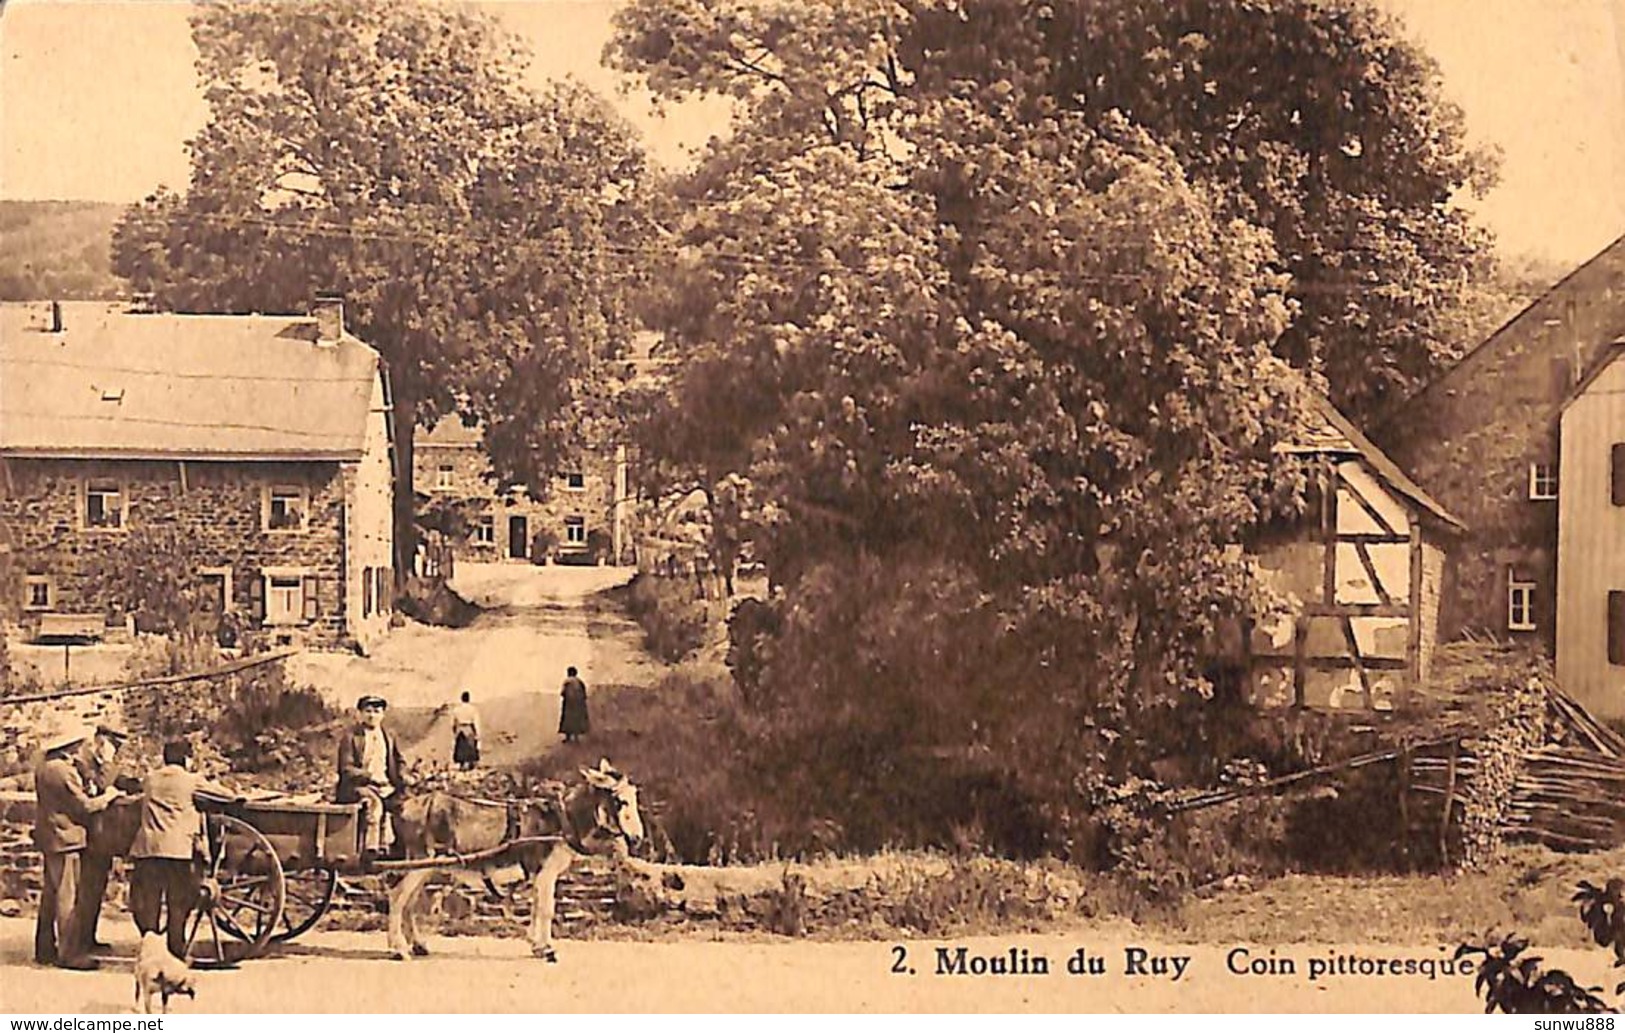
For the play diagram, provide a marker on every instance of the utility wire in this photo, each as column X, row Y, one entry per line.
column 768, row 260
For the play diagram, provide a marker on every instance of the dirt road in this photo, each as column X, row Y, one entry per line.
column 347, row 972
column 511, row 658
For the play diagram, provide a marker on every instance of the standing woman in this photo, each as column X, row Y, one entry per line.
column 465, row 735
column 573, row 721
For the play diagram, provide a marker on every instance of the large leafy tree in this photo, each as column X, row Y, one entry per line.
column 1315, row 120
column 484, row 236
column 994, row 380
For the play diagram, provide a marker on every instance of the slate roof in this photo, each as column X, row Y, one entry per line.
column 1325, row 429
column 1508, row 332
column 448, row 432
column 116, row 384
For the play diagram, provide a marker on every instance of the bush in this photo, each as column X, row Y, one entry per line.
column 432, row 601
column 542, row 545
column 265, row 720
column 751, row 630
column 253, row 721
column 151, row 574
column 599, row 545
column 672, row 613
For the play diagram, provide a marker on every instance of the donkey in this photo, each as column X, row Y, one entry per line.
column 597, row 817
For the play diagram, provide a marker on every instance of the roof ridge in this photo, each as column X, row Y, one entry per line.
column 1394, row 412
column 1382, row 464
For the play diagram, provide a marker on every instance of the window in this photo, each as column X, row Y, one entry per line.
column 286, row 508
column 1542, row 482
column 284, row 600
column 576, row 481
column 37, row 592
column 1520, row 604
column 1616, row 628
column 285, row 595
column 368, row 585
column 1617, row 478
column 486, row 530
column 104, row 505
column 443, row 477
column 575, row 530
column 216, row 588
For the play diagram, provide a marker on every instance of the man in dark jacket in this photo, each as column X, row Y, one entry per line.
column 104, row 772
column 370, row 773
column 63, row 812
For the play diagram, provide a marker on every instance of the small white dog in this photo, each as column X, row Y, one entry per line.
column 161, row 974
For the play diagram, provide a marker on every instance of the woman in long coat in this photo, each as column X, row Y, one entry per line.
column 573, row 720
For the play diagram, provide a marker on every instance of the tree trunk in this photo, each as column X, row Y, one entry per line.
column 403, row 412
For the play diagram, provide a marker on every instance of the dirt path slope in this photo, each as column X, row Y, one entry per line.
column 511, row 659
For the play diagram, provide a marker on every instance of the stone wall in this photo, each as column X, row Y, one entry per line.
column 20, row 723
column 219, row 506
column 1434, row 559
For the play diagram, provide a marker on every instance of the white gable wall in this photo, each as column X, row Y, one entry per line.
column 1590, row 543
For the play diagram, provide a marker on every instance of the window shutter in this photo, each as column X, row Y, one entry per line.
column 386, row 599
column 1616, row 628
column 256, row 596
column 1617, row 480
column 313, row 606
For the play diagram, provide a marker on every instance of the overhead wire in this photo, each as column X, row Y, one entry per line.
column 575, row 250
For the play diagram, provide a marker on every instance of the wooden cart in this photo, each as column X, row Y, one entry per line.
column 271, row 868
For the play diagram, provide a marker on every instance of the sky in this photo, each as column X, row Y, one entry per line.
column 97, row 98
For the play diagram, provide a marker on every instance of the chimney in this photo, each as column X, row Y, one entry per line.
column 329, row 312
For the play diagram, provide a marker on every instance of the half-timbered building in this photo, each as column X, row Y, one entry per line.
column 1361, row 573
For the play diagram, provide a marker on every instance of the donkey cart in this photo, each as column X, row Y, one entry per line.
column 270, row 870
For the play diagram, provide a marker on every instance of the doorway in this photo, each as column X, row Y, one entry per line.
column 518, row 538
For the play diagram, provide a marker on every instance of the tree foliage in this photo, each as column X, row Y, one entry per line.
column 483, row 235
column 1314, row 120
column 992, row 378
column 57, row 250
column 151, row 573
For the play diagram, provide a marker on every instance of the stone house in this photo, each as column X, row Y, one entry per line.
column 1484, row 439
column 583, row 518
column 262, row 441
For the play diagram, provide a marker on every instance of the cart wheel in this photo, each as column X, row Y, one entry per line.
column 309, row 893
column 243, row 894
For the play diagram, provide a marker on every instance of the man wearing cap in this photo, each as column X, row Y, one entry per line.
column 370, row 772
column 103, row 773
column 62, row 813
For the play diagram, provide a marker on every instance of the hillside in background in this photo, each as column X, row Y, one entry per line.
column 57, row 250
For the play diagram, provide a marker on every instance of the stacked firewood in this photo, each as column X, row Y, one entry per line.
column 1569, row 798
